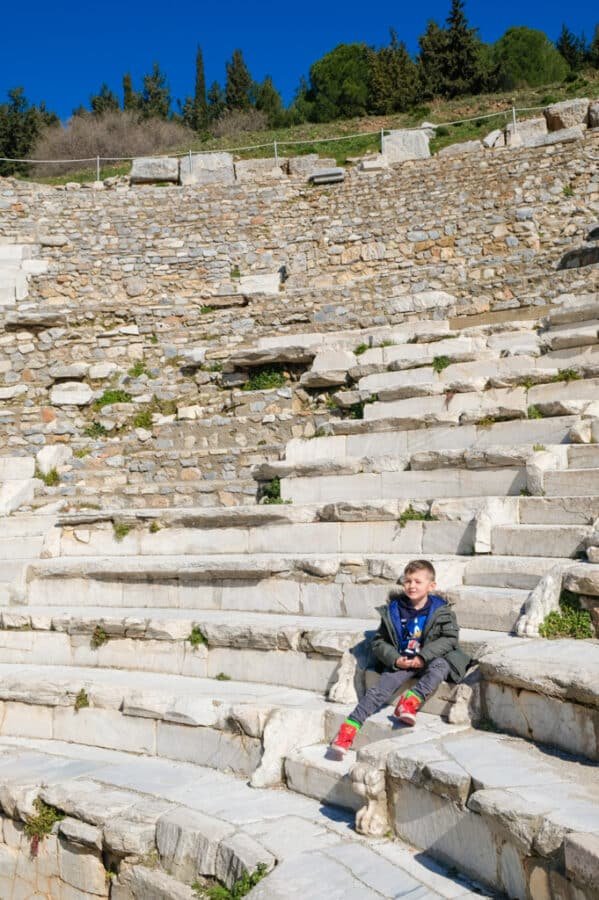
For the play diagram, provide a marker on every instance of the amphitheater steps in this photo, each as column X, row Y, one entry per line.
column 537, row 540
column 487, row 608
column 191, row 819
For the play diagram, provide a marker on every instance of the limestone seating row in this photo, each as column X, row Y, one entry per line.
column 233, row 725
column 17, row 265
column 500, row 810
column 129, row 820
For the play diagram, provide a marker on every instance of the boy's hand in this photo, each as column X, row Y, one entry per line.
column 404, row 662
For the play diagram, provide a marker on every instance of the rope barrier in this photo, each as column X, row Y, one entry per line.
column 278, row 143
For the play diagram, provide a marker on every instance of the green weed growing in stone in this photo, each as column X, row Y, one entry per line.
column 566, row 375
column 120, row 530
column 98, row 638
column 82, row 452
column 112, row 396
column 538, row 448
column 440, row 362
column 196, row 638
column 155, row 527
column 569, row 622
column 81, row 700
column 153, row 339
column 222, row 677
column 270, row 493
column 568, row 190
column 413, row 515
column 235, row 273
column 138, row 369
column 143, row 419
column 205, row 310
column 534, row 412
column 360, row 349
column 526, row 383
column 95, row 430
column 50, row 479
column 40, row 826
column 265, row 380
column 239, row 889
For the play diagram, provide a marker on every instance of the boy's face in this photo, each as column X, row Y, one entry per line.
column 417, row 585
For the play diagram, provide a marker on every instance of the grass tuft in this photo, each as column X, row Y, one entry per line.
column 112, row 396
column 534, row 412
column 222, row 677
column 50, row 479
column 40, row 826
column 569, row 622
column 81, row 700
column 98, row 638
column 95, row 430
column 412, row 515
column 265, row 380
column 196, row 638
column 566, row 375
column 120, row 530
column 440, row 362
column 239, row 889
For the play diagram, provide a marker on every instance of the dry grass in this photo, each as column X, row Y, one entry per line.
column 113, row 134
column 237, row 121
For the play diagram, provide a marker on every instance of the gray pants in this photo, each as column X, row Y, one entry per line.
column 390, row 682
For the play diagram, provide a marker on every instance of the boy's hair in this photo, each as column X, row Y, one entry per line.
column 420, row 565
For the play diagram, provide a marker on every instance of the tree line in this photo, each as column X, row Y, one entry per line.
column 351, row 80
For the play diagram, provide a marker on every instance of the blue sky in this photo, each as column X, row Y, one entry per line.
column 60, row 52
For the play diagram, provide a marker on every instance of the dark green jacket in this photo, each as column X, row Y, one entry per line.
column 439, row 639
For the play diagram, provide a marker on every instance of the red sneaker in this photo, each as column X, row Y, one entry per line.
column 345, row 738
column 407, row 707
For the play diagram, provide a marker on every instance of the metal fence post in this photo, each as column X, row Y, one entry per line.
column 97, row 168
column 514, row 119
column 382, row 136
column 276, row 154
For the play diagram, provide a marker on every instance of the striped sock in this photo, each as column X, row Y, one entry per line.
column 353, row 723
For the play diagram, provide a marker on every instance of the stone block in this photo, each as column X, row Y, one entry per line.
column 566, row 114
column 495, row 138
column 71, row 393
column 581, row 852
column 594, row 114
column 526, row 132
column 267, row 283
column 82, row 868
column 259, row 169
column 52, row 456
column 331, row 175
column 16, row 468
column 402, row 145
column 207, row 168
column 148, row 170
column 461, row 149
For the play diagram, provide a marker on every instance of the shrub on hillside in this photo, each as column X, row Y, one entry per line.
column 112, row 134
column 236, row 121
column 526, row 56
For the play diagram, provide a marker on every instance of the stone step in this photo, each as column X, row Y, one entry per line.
column 571, row 482
column 409, row 485
column 310, row 771
column 558, row 510
column 518, row 432
column 22, row 525
column 583, row 456
column 540, row 691
column 491, row 608
column 520, row 572
column 315, row 537
column 16, row 468
column 293, row 651
column 539, row 540
column 21, row 548
column 565, row 397
column 498, row 808
column 470, row 407
column 194, row 821
column 228, row 725
column 332, row 585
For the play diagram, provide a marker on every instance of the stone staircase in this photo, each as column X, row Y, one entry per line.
column 176, row 654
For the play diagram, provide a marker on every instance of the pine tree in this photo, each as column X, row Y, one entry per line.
column 394, row 81
column 200, row 105
column 20, row 126
column 239, row 83
column 433, row 50
column 216, row 102
column 156, row 97
column 593, row 51
column 572, row 48
column 269, row 101
column 104, row 101
column 131, row 99
column 462, row 66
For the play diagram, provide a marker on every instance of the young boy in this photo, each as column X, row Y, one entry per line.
column 417, row 637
